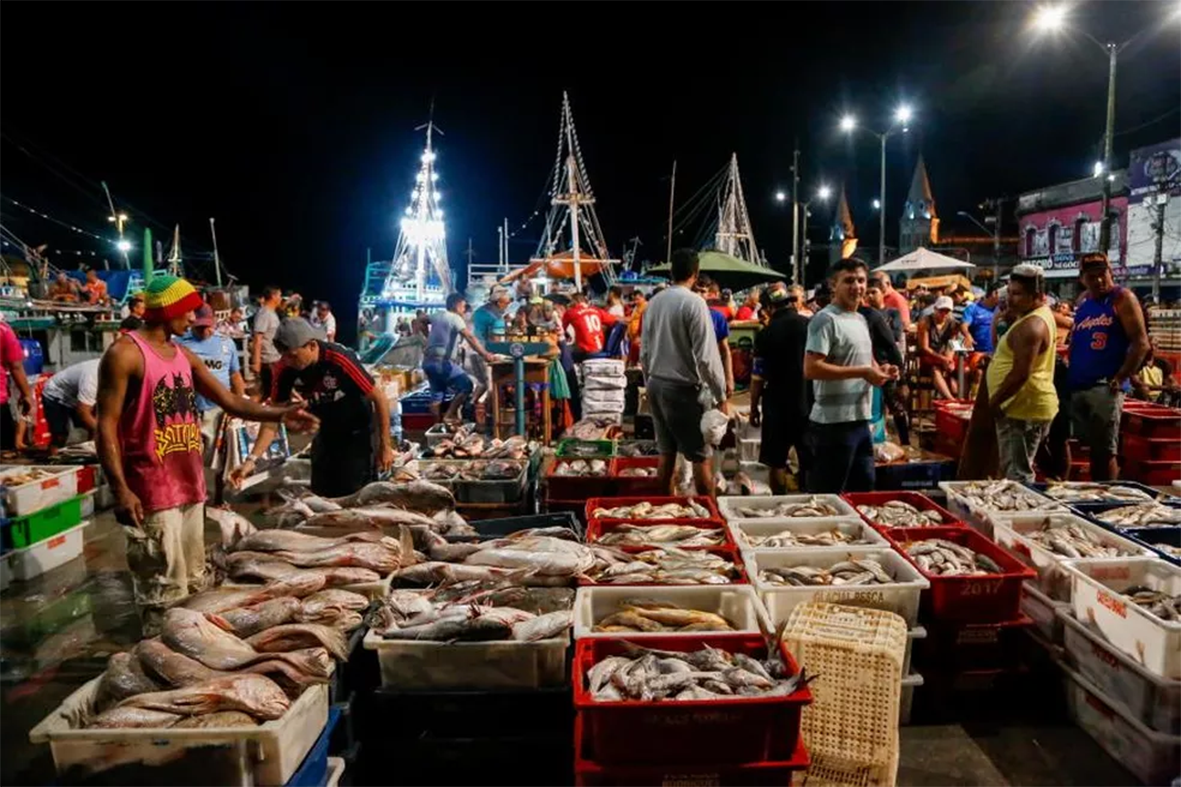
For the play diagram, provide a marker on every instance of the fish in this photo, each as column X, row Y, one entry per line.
column 193, row 634
column 664, row 566
column 473, row 628
column 1089, row 492
column 291, row 636
column 379, row 557
column 790, row 538
column 256, row 695
column 1064, row 536
column 333, row 524
column 1141, row 515
column 1001, row 496
column 173, row 669
column 532, row 554
column 946, row 558
column 234, row 527
column 132, row 717
column 580, row 468
column 257, row 567
column 810, row 506
column 329, row 606
column 1156, row 602
column 274, row 539
column 672, row 617
column 683, row 536
column 850, row 571
column 896, row 513
column 435, row 572
column 124, row 677
column 645, row 510
column 420, row 496
column 246, row 621
column 291, row 678
column 225, row 718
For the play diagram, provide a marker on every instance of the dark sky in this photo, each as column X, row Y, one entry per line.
column 293, row 124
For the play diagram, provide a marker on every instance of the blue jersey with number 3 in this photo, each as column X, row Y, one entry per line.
column 1098, row 342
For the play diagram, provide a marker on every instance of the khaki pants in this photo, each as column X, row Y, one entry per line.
column 166, row 555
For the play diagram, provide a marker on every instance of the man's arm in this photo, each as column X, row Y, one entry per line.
column 1127, row 308
column 1028, row 340
column 727, row 365
column 256, row 353
column 237, row 384
column 817, row 367
column 208, row 386
column 119, row 364
column 381, row 407
column 17, row 370
column 705, row 350
column 475, row 343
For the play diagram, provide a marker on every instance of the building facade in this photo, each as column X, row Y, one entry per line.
column 1058, row 224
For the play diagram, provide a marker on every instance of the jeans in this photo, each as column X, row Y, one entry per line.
column 841, row 458
column 1017, row 443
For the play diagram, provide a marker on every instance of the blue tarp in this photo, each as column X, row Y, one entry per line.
column 117, row 282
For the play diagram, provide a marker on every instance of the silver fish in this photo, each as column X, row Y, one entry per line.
column 1068, row 538
column 859, row 571
column 896, row 513
column 813, row 506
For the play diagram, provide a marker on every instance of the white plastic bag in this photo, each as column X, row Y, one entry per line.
column 713, row 426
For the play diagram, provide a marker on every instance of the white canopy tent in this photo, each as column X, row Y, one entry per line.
column 924, row 260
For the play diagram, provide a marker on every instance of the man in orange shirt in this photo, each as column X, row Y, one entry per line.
column 95, row 289
column 894, row 299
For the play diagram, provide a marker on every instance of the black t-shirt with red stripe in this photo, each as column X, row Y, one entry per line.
column 336, row 389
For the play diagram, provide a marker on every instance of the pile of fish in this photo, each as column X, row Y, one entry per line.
column 592, row 428
column 1086, row 492
column 536, row 557
column 638, row 472
column 1070, row 539
column 948, row 559
column 789, row 538
column 628, row 535
column 24, row 476
column 476, row 470
column 896, row 513
column 1003, row 496
column 645, row 510
column 635, row 448
column 814, row 506
column 707, row 674
column 585, row 450
column 1142, row 515
column 1156, row 602
column 740, row 485
column 266, row 555
column 483, row 611
column 580, row 467
column 1169, row 549
column 850, row 571
column 635, row 615
column 667, row 566
column 466, row 445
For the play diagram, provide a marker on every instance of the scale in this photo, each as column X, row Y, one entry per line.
column 517, row 351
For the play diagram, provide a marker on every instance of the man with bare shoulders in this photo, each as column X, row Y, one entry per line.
column 149, row 443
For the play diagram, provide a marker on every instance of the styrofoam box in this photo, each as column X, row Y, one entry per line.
column 738, row 604
column 1043, row 610
column 1149, row 698
column 24, row 564
column 1097, row 599
column 982, row 518
column 1051, row 578
column 728, row 507
column 906, row 700
column 901, row 597
column 1153, row 757
column 267, row 754
column 32, row 497
column 770, row 527
column 413, row 664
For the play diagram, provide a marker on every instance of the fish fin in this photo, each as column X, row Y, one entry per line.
column 219, row 621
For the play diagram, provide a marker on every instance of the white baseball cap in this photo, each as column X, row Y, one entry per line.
column 943, row 302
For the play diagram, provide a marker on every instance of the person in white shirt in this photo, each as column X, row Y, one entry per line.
column 68, row 400
column 323, row 318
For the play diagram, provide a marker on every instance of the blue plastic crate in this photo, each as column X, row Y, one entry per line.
column 313, row 772
column 1040, row 488
column 1155, row 537
column 913, row 475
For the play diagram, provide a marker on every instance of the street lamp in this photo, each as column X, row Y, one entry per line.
column 903, row 114
column 780, row 196
column 877, row 204
column 822, row 193
column 995, row 232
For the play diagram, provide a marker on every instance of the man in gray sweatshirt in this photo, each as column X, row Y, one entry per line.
column 682, row 371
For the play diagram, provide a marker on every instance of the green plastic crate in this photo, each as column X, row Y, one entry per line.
column 46, row 523
column 604, row 449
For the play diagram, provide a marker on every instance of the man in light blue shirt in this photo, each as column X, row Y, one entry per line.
column 220, row 356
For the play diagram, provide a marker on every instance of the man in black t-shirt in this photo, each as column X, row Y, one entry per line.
column 780, row 396
column 343, row 396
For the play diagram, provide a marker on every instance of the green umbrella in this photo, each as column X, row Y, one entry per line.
column 727, row 271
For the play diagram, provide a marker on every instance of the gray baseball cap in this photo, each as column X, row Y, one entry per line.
column 293, row 333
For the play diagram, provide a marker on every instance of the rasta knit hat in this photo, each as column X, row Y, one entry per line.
column 168, row 297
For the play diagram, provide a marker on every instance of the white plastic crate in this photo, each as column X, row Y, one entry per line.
column 1043, row 611
column 1153, row 757
column 982, row 518
column 30, row 498
column 267, row 754
column 739, row 604
column 901, row 597
column 1151, row 699
column 757, row 527
column 728, row 507
column 24, row 564
column 1097, row 599
column 501, row 664
column 1051, row 577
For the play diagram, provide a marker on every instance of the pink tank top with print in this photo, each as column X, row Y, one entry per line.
column 160, row 435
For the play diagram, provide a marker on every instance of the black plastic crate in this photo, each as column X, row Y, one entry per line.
column 390, row 718
column 1156, row 537
column 503, row 526
column 913, row 475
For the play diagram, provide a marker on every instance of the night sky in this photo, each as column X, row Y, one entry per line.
column 293, row 124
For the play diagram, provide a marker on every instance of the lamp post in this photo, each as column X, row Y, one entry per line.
column 822, row 194
column 996, row 240
column 902, row 117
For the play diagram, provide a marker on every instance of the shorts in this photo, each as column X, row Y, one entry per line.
column 479, row 369
column 166, row 555
column 1095, row 416
column 60, row 420
column 446, row 377
column 780, row 432
column 1017, row 443
column 841, row 458
column 7, row 427
column 342, row 465
column 676, row 419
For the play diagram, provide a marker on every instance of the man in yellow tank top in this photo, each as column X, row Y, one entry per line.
column 1021, row 375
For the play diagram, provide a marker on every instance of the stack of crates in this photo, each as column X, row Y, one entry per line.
column 851, row 728
column 1150, row 443
column 45, row 519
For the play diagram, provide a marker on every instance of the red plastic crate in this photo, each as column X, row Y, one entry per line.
column 982, row 599
column 766, row 773
column 566, row 487
column 973, row 646
column 1152, row 449
column 616, row 502
column 733, row 554
column 950, row 420
column 87, row 478
column 1151, row 421
column 916, row 499
column 734, row 730
column 634, row 486
column 1151, row 473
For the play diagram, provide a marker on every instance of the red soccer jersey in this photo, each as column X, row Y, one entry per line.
column 588, row 322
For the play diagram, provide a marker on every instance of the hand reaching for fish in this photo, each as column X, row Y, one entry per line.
column 297, row 419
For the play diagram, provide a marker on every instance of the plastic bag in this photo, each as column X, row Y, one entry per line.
column 713, row 426
column 884, row 453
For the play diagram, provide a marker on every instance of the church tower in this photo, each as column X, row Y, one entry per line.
column 919, row 225
column 842, row 236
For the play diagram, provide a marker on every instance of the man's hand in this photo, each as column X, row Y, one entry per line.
column 724, row 407
column 890, row 370
column 385, row 458
column 756, row 418
column 128, row 509
column 25, row 405
column 240, row 473
column 298, row 419
column 877, row 376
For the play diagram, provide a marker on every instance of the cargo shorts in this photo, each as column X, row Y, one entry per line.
column 1095, row 415
column 166, row 555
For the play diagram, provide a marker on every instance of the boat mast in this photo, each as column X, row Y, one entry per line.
column 672, row 188
column 216, row 258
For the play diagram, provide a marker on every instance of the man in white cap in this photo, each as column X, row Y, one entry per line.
column 487, row 320
column 935, row 334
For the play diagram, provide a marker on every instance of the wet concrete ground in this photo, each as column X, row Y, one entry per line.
column 57, row 631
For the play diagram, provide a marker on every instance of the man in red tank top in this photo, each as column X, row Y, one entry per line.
column 149, row 443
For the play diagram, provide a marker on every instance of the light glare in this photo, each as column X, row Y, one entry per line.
column 1049, row 18
column 123, row 246
column 1097, row 170
column 877, row 204
column 823, row 193
column 848, row 123
column 903, row 114
column 780, row 196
